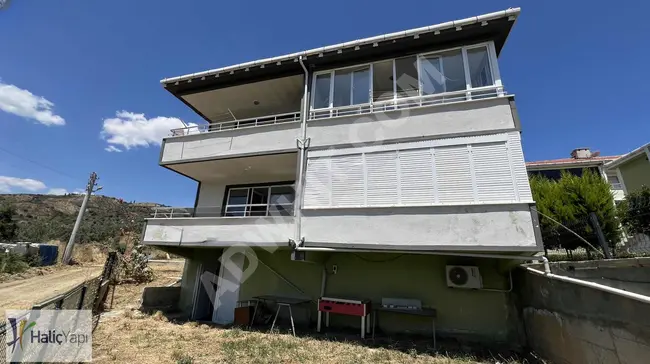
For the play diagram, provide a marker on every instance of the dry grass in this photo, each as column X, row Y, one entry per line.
column 135, row 337
column 128, row 335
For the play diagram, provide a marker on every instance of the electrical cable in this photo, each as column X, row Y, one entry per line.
column 39, row 164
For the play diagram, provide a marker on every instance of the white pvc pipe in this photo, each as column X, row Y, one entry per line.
column 616, row 291
column 474, row 255
column 301, row 160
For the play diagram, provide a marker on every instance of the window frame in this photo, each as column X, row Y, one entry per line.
column 492, row 59
column 332, row 73
column 249, row 188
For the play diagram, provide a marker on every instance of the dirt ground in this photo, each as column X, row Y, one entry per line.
column 23, row 293
column 126, row 335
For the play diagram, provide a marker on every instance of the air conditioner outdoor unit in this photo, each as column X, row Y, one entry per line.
column 459, row 276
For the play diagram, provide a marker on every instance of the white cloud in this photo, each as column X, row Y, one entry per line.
column 12, row 184
column 57, row 191
column 18, row 185
column 131, row 130
column 17, row 101
column 112, row 148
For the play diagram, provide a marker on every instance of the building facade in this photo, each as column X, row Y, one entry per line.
column 581, row 159
column 361, row 169
column 632, row 169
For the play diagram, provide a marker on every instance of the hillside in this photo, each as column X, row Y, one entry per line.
column 42, row 218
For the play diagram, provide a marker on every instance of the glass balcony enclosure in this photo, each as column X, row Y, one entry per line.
column 457, row 74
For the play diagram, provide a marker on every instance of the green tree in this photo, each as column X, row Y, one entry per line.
column 8, row 226
column 569, row 201
column 635, row 211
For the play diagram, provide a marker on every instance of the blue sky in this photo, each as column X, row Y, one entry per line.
column 578, row 73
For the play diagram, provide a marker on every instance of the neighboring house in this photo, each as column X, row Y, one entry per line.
column 363, row 169
column 581, row 159
column 632, row 169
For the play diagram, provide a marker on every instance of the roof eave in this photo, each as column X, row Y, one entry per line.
column 626, row 157
column 511, row 14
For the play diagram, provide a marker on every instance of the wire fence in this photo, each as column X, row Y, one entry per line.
column 89, row 295
column 580, row 241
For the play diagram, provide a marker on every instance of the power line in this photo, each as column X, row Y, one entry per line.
column 39, row 164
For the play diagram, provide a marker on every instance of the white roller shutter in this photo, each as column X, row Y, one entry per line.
column 317, row 183
column 494, row 180
column 382, row 179
column 481, row 169
column 417, row 182
column 453, row 174
column 519, row 166
column 347, row 180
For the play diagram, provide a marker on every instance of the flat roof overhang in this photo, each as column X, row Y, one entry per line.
column 494, row 26
column 245, row 169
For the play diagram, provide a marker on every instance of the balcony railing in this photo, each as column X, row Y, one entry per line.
column 247, row 210
column 238, row 124
column 409, row 102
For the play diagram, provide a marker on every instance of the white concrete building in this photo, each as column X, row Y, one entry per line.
column 401, row 143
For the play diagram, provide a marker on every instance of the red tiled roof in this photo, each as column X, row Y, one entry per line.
column 573, row 160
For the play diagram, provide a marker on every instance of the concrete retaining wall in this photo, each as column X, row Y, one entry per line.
column 160, row 297
column 627, row 274
column 568, row 323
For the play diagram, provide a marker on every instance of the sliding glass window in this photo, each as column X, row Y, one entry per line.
column 383, row 83
column 342, row 88
column 269, row 200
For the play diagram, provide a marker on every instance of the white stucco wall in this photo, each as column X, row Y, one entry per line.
column 268, row 139
column 210, row 195
column 451, row 119
column 497, row 227
column 205, row 231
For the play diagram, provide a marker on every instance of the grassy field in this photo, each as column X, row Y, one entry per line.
column 127, row 335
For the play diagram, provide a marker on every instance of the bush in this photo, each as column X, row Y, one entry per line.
column 635, row 211
column 8, row 226
column 12, row 263
column 134, row 267
column 569, row 201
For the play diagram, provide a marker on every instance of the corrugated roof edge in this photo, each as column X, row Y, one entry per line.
column 511, row 12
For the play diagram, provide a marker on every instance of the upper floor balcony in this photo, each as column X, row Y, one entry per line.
column 441, row 80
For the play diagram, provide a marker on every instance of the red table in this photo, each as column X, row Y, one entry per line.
column 344, row 306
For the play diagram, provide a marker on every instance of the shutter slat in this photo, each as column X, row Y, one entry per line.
column 417, row 180
column 317, row 180
column 347, row 180
column 453, row 174
column 519, row 166
column 382, row 178
column 492, row 171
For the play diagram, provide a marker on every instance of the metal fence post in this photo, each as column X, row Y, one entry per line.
column 80, row 305
column 599, row 233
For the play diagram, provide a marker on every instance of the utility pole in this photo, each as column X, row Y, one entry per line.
column 599, row 233
column 90, row 188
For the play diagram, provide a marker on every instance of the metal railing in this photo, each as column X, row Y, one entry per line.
column 409, row 102
column 247, row 210
column 238, row 124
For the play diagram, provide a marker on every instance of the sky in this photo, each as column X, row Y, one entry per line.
column 80, row 91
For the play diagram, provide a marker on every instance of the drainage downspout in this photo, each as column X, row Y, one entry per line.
column 302, row 145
